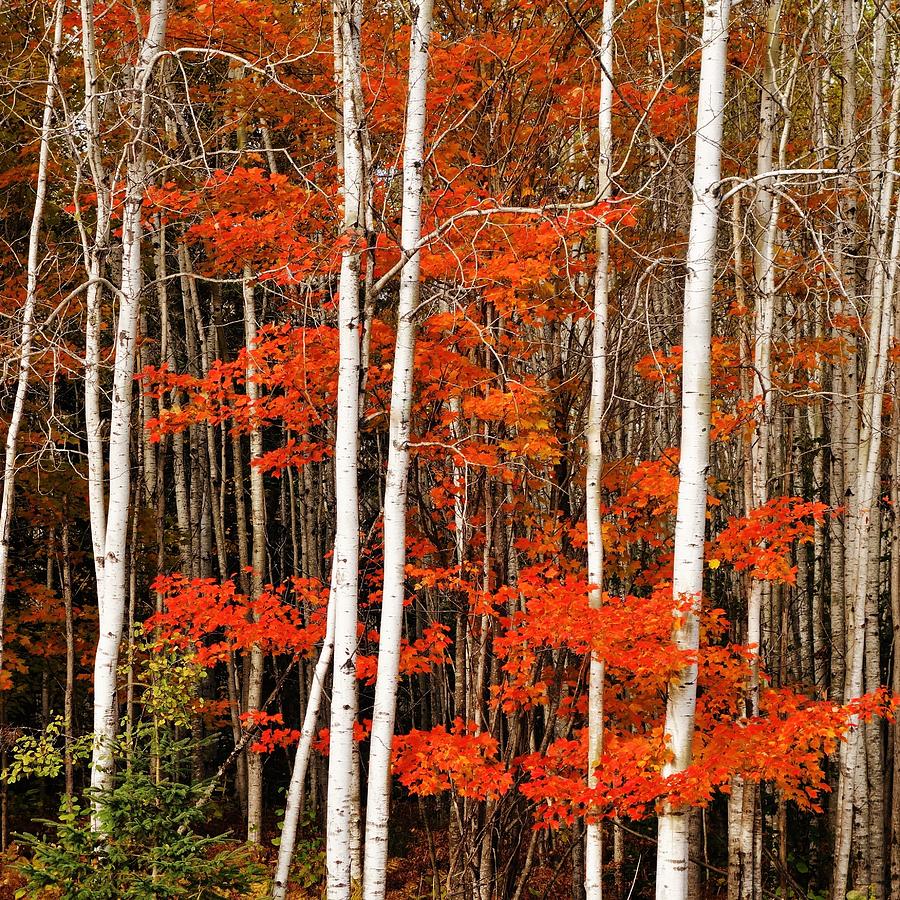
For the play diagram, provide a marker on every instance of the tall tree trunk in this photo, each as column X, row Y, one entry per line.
column 69, row 696
column 112, row 596
column 395, row 492
column 690, row 527
column 744, row 799
column 95, row 263
column 341, row 805
column 258, row 523
column 593, row 855
column 895, row 643
column 853, row 800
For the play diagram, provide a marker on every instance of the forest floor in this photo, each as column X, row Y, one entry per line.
column 419, row 859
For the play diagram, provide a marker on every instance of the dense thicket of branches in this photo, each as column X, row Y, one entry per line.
column 466, row 427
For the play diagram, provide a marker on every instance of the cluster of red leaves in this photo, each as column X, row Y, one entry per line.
column 269, row 738
column 216, row 619
column 250, row 217
column 361, row 731
column 633, row 634
column 255, row 718
column 462, row 759
column 418, row 657
column 272, row 738
column 628, row 779
column 760, row 542
column 785, row 744
column 548, row 611
column 639, row 517
column 297, row 371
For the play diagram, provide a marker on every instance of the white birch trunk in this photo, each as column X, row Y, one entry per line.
column 742, row 881
column 95, row 260
column 593, row 855
column 391, row 628
column 851, row 757
column 112, row 597
column 341, row 805
column 687, row 581
column 258, row 521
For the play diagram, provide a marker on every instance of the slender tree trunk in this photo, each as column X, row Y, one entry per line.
column 341, row 806
column 895, row 644
column 112, row 597
column 852, row 754
column 95, row 261
column 690, row 527
column 393, row 594
column 258, row 523
column 853, row 800
column 69, row 696
column 593, row 855
column 293, row 811
column 745, row 796
column 179, row 472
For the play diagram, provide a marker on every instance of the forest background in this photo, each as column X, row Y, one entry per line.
column 451, row 449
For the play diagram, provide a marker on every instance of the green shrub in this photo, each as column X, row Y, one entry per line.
column 148, row 844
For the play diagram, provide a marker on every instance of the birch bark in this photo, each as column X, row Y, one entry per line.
column 95, row 259
column 745, row 798
column 690, row 528
column 69, row 696
column 852, row 796
column 295, row 796
column 258, row 522
column 593, row 856
column 391, row 628
column 112, row 596
column 341, row 805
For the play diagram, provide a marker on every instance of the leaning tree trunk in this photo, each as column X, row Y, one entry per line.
column 690, row 527
column 293, row 810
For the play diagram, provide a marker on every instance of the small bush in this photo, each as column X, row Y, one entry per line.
column 148, row 845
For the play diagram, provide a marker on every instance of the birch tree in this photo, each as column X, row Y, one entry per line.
column 858, row 530
column 296, row 788
column 395, row 499
column 111, row 567
column 95, row 252
column 258, row 521
column 542, row 480
column 593, row 857
column 744, row 864
column 342, row 805
column 690, row 528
